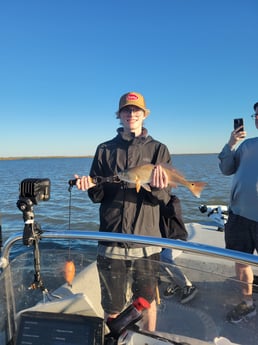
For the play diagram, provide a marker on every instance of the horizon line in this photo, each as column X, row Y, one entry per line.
column 91, row 156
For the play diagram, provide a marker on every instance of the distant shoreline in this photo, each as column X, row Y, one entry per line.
column 89, row 156
column 40, row 157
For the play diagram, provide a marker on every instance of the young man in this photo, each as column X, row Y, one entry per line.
column 241, row 229
column 124, row 210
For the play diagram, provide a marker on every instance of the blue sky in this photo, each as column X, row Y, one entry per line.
column 65, row 63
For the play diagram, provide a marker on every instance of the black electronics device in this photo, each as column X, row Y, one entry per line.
column 37, row 189
column 239, row 122
column 44, row 328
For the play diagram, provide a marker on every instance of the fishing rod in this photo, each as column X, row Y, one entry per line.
column 69, row 267
column 97, row 180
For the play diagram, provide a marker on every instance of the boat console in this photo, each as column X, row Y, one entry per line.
column 36, row 328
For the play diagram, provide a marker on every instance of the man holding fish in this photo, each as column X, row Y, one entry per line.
column 136, row 160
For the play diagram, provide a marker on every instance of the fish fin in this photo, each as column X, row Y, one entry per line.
column 171, row 168
column 166, row 165
column 196, row 188
column 173, row 174
column 137, row 184
column 172, row 184
column 146, row 187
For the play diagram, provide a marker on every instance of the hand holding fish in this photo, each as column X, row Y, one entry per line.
column 84, row 182
column 159, row 177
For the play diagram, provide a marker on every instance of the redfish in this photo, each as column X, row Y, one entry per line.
column 69, row 272
column 142, row 175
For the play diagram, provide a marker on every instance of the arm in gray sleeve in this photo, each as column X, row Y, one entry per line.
column 227, row 165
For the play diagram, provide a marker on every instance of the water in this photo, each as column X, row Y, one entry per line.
column 54, row 214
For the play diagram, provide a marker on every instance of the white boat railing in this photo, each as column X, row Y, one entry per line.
column 190, row 247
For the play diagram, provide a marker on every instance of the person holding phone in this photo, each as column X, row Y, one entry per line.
column 241, row 229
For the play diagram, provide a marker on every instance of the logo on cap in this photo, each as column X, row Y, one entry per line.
column 132, row 97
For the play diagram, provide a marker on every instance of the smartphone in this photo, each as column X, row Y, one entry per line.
column 238, row 123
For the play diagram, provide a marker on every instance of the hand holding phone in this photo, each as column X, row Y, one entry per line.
column 238, row 123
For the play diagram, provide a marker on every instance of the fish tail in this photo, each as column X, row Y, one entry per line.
column 196, row 188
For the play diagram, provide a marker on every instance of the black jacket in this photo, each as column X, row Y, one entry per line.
column 171, row 221
column 122, row 209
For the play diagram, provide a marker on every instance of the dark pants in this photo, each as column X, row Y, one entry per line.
column 241, row 234
column 116, row 274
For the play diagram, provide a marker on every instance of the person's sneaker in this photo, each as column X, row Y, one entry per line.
column 171, row 290
column 188, row 293
column 241, row 312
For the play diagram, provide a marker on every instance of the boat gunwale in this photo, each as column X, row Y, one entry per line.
column 187, row 246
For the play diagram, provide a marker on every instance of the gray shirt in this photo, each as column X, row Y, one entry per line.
column 243, row 163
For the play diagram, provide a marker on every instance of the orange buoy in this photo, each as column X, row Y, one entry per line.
column 69, row 272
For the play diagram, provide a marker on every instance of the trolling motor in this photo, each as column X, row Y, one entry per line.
column 32, row 191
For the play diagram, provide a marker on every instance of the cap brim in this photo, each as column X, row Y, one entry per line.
column 147, row 111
